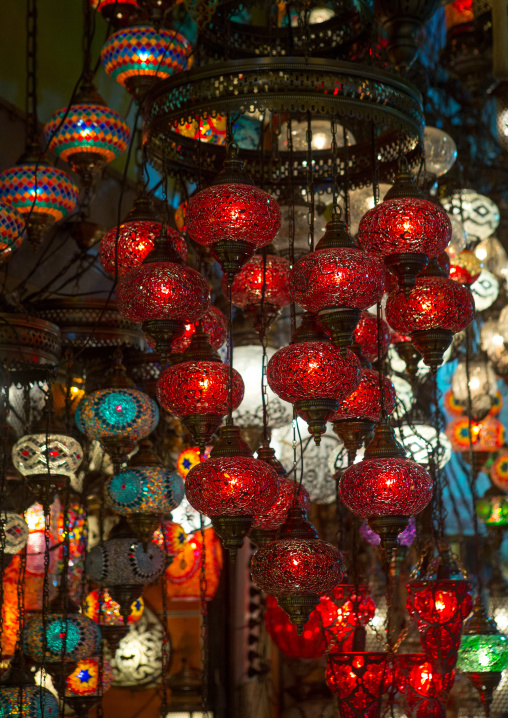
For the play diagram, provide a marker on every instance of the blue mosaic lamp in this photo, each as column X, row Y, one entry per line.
column 144, row 492
column 118, row 416
column 18, row 683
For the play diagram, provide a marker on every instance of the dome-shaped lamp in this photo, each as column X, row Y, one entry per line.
column 12, row 230
column 431, row 312
column 144, row 492
column 100, row 607
column 88, row 135
column 125, row 248
column 483, row 654
column 337, row 281
column 386, row 488
column 197, row 390
column 405, row 229
column 313, row 375
column 163, row 294
column 124, row 567
column 42, row 194
column 20, row 697
column 297, row 567
column 232, row 217
column 261, row 288
column 139, row 56
column 231, row 487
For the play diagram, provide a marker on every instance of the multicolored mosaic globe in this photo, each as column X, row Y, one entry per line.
column 117, row 412
column 78, row 633
column 87, row 128
column 54, row 192
column 36, row 702
column 12, row 231
column 88, row 677
column 189, row 458
column 142, row 50
column 147, row 489
column 100, row 607
column 499, row 471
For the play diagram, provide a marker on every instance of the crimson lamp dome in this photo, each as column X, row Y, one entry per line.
column 366, row 335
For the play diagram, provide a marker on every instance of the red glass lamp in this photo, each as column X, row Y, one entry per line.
column 297, row 567
column 433, row 311
column 43, row 197
column 353, row 422
column 164, row 294
column 231, row 487
column 196, row 389
column 336, row 281
column 347, row 608
column 465, row 268
column 309, row 645
column 139, row 56
column 232, row 217
column 88, row 135
column 313, row 375
column 366, row 335
column 358, row 680
column 214, row 324
column 405, row 229
column 136, row 238
column 118, row 12
column 261, row 288
column 386, row 488
column 425, row 689
column 265, row 525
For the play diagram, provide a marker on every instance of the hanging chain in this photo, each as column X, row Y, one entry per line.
column 335, row 169
column 310, row 183
column 346, row 176
column 31, row 71
column 203, row 587
column 264, row 362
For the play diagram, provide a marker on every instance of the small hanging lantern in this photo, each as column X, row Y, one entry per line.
column 344, row 614
column 386, row 488
column 215, row 326
column 139, row 56
column 337, row 281
column 405, row 229
column 265, row 525
column 358, row 680
column 313, row 375
column 366, row 335
column 492, row 508
column 197, row 390
column 85, row 686
column 231, row 487
column 232, row 217
column 101, row 608
column 425, row 689
column 499, row 471
column 487, row 436
column 465, row 268
column 144, row 491
column 297, row 567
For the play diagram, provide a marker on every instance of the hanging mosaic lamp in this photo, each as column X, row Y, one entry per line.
column 483, row 654
column 101, row 608
column 405, row 229
column 492, row 508
column 424, row 688
column 117, row 12
column 475, row 381
column 465, row 268
column 265, row 525
column 197, row 390
column 440, row 151
column 60, row 638
column 138, row 57
column 183, row 575
column 123, row 566
column 189, row 458
column 261, row 288
column 366, row 335
column 337, row 281
column 164, row 294
column 439, row 604
column 358, row 680
column 88, row 135
column 297, row 567
column 12, row 230
column 309, row 645
column 171, row 537
column 487, row 436
column 499, row 471
column 424, row 444
column 118, row 416
column 47, row 461
column 125, row 248
column 42, row 194
column 231, row 487
column 354, row 420
column 144, row 491
column 344, row 614
column 14, row 528
column 215, row 326
column 20, row 697
column 232, row 217
column 85, row 686
column 431, row 312
column 386, row 488
column 313, row 375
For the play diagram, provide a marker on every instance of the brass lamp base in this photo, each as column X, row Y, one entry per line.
column 298, row 608
column 232, row 530
column 316, row 413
